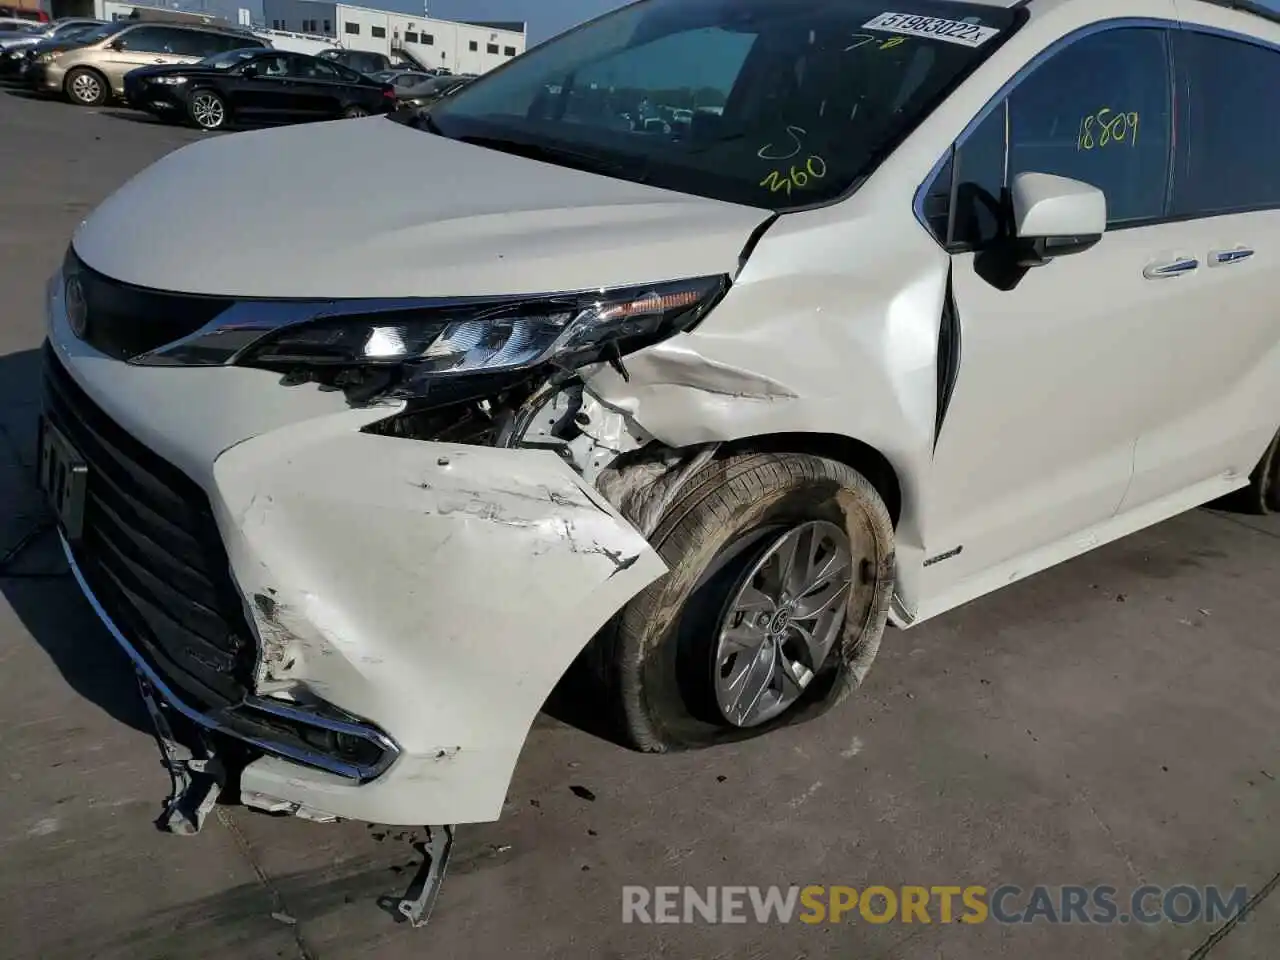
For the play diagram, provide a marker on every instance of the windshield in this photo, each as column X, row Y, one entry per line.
column 773, row 103
column 229, row 58
column 100, row 32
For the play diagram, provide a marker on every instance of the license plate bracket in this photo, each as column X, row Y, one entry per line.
column 64, row 479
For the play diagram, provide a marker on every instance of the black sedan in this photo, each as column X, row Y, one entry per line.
column 259, row 85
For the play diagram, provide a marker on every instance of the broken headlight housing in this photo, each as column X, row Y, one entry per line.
column 490, row 338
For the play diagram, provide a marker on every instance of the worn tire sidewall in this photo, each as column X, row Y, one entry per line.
column 797, row 488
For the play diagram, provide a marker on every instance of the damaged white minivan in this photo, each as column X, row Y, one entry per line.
column 686, row 349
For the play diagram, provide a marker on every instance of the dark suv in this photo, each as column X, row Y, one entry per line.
column 362, row 61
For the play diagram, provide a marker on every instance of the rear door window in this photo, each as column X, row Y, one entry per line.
column 148, row 40
column 196, row 43
column 1232, row 158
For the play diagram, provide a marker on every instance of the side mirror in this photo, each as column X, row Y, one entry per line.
column 1055, row 217
column 118, row 45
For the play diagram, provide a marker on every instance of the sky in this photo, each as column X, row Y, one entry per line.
column 546, row 18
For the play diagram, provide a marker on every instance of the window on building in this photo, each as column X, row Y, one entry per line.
column 1229, row 164
column 276, row 25
column 410, row 37
column 474, row 46
column 509, row 51
column 428, row 39
column 328, row 27
column 379, row 32
column 351, row 28
column 491, row 48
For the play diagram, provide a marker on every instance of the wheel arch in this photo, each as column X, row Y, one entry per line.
column 86, row 68
column 853, row 453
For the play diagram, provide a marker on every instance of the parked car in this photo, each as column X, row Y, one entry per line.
column 49, row 31
column 401, row 79
column 90, row 73
column 15, row 62
column 362, row 61
column 374, row 431
column 263, row 85
column 14, row 26
column 432, row 89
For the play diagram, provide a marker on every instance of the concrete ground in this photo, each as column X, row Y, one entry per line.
column 1109, row 722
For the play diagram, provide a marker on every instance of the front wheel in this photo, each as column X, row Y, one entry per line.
column 85, row 87
column 781, row 573
column 354, row 112
column 207, row 110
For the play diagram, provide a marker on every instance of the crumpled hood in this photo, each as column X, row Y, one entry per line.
column 372, row 208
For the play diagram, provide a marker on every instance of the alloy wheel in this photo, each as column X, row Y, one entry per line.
column 86, row 88
column 781, row 622
column 208, row 111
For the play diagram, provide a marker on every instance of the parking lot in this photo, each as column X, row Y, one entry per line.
column 1110, row 722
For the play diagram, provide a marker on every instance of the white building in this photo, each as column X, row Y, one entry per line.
column 461, row 47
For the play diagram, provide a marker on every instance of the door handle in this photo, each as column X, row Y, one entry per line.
column 1224, row 258
column 1171, row 268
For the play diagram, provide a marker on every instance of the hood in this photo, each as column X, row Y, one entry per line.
column 10, row 41
column 372, row 208
column 53, row 46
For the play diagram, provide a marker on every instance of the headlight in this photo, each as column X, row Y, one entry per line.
column 46, row 58
column 493, row 338
column 169, row 81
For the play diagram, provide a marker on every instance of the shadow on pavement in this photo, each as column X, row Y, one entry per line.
column 35, row 580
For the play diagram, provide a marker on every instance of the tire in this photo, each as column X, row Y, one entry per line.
column 354, row 112
column 86, row 87
column 207, row 110
column 662, row 661
column 1262, row 496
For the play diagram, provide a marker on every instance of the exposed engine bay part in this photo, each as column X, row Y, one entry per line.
column 424, row 890
column 196, row 774
column 560, row 416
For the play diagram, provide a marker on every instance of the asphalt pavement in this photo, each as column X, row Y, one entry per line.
column 1111, row 722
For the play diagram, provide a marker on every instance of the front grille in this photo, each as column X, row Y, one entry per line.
column 124, row 321
column 151, row 553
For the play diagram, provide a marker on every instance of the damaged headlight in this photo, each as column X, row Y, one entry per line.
column 492, row 338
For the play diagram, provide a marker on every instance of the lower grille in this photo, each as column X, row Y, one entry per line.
column 151, row 552
column 151, row 560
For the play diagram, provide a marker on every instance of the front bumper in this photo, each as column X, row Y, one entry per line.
column 154, row 97
column 436, row 592
column 45, row 77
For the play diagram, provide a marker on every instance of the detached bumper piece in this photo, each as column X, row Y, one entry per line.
column 149, row 558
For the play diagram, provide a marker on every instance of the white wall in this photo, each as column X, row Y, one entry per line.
column 450, row 44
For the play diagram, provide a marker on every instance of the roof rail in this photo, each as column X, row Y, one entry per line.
column 1248, row 6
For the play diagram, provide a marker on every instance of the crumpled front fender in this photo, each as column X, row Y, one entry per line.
column 439, row 591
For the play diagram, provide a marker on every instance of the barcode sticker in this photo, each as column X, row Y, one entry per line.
column 935, row 28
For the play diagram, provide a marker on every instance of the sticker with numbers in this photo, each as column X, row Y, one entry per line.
column 936, row 28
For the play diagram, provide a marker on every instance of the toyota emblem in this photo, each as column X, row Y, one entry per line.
column 77, row 307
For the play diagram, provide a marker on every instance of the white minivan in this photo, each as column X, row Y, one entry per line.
column 902, row 301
